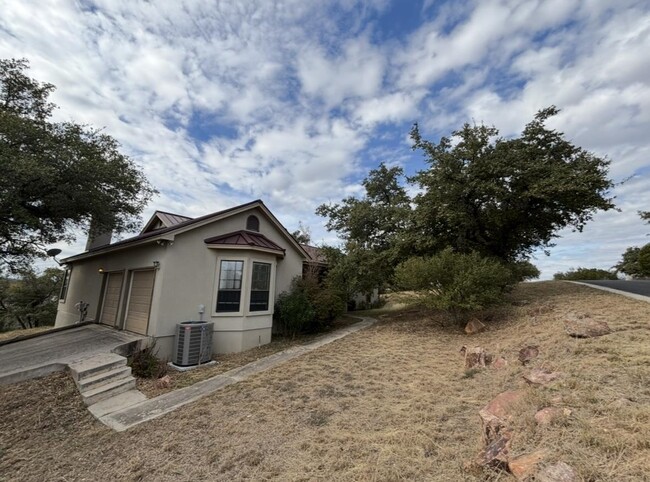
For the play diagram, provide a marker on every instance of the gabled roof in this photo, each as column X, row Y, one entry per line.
column 170, row 232
column 316, row 255
column 245, row 239
column 167, row 220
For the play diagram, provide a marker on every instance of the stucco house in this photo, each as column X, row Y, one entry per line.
column 227, row 267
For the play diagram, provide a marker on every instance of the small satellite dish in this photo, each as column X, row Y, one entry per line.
column 53, row 252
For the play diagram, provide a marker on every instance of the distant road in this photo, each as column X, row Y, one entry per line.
column 638, row 287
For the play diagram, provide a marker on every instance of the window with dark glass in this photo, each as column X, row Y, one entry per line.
column 229, row 293
column 64, row 286
column 260, row 282
column 253, row 224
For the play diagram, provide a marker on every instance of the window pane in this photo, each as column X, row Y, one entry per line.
column 260, row 283
column 229, row 293
column 228, row 301
column 230, row 275
column 64, row 286
column 259, row 301
column 261, row 276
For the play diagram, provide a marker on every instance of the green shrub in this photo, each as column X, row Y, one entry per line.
column 293, row 311
column 308, row 306
column 585, row 274
column 455, row 282
column 523, row 271
column 328, row 304
column 146, row 364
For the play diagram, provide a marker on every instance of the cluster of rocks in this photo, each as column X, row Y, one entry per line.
column 496, row 419
column 497, row 416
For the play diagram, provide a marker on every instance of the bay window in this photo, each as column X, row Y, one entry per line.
column 230, row 284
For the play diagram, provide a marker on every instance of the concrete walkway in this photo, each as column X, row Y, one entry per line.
column 137, row 413
column 52, row 352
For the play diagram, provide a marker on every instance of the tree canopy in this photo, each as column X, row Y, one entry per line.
column 500, row 197
column 374, row 228
column 56, row 176
column 506, row 197
column 30, row 300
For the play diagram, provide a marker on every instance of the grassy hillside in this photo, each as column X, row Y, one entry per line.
column 388, row 403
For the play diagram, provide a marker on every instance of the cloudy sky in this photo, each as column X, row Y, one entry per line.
column 223, row 102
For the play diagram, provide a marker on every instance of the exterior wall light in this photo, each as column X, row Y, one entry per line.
column 156, row 264
column 100, row 270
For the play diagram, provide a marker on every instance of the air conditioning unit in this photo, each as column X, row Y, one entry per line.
column 193, row 343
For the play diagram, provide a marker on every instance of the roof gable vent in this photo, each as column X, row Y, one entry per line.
column 252, row 223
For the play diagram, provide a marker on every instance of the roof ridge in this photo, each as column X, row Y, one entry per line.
column 173, row 214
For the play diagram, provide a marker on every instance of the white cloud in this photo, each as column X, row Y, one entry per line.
column 293, row 101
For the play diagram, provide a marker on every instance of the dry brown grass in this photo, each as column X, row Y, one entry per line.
column 180, row 379
column 8, row 335
column 388, row 403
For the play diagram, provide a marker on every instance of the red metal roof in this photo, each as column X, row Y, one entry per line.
column 245, row 238
column 316, row 254
column 170, row 219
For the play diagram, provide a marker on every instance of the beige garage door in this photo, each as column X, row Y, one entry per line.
column 112, row 291
column 137, row 313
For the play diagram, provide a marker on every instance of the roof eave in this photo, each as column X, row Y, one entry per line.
column 110, row 248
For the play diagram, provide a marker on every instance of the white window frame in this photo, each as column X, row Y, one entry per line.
column 65, row 286
column 244, row 286
column 247, row 276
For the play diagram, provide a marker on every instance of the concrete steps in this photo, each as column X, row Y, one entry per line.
column 102, row 377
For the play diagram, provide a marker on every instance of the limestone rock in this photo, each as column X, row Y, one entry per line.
column 496, row 452
column 164, row 382
column 540, row 376
column 496, row 434
column 475, row 357
column 474, row 326
column 524, row 466
column 528, row 353
column 549, row 415
column 559, row 472
column 581, row 325
column 502, row 405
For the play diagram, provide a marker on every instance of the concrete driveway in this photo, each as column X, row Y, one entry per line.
column 637, row 287
column 52, row 352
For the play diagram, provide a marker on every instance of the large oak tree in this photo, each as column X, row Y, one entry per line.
column 56, row 176
column 506, row 197
column 499, row 197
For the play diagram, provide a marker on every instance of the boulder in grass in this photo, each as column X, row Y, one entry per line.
column 524, row 466
column 495, row 454
column 580, row 325
column 474, row 326
column 528, row 353
column 540, row 376
column 475, row 357
column 502, row 406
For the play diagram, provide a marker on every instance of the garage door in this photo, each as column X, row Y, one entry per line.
column 137, row 313
column 112, row 291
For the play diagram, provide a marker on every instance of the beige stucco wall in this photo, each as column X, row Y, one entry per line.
column 187, row 278
column 86, row 281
